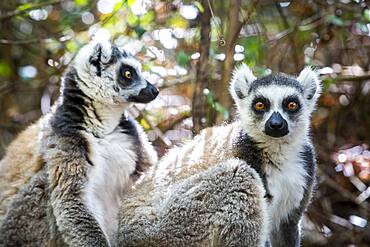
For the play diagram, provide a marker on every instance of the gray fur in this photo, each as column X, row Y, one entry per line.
column 217, row 207
column 279, row 80
column 15, row 231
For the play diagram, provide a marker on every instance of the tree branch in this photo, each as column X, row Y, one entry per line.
column 290, row 34
column 15, row 12
column 199, row 102
column 22, row 42
column 169, row 124
column 38, row 40
column 359, row 78
column 167, row 142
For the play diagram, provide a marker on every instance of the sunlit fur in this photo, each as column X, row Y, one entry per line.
column 198, row 194
column 80, row 158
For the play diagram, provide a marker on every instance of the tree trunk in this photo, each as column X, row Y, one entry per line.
column 199, row 105
column 231, row 37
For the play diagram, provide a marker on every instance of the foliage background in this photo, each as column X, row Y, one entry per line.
column 189, row 52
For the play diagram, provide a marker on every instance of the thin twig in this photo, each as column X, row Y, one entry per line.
column 22, row 42
column 39, row 40
column 359, row 78
column 347, row 194
column 178, row 81
column 106, row 20
column 169, row 125
column 159, row 133
column 15, row 12
column 313, row 21
column 290, row 34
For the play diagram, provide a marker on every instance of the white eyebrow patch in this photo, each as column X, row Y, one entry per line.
column 132, row 62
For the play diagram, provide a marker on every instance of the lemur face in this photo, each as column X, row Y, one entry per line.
column 274, row 106
column 112, row 76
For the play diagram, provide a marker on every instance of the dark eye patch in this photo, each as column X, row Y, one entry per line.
column 287, row 100
column 263, row 100
column 121, row 75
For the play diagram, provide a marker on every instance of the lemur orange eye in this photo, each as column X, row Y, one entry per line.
column 259, row 106
column 292, row 106
column 127, row 74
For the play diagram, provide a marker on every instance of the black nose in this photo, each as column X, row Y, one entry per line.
column 153, row 90
column 145, row 95
column 276, row 121
column 276, row 126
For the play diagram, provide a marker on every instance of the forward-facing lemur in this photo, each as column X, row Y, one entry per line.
column 275, row 116
column 271, row 135
column 64, row 187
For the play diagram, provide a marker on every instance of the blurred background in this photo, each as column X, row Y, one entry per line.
column 188, row 50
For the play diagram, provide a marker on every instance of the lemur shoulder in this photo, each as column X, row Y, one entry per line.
column 271, row 135
column 64, row 176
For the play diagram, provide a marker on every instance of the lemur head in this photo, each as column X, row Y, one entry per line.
column 111, row 76
column 275, row 106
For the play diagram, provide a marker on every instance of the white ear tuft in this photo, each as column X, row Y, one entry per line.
column 101, row 50
column 240, row 82
column 92, row 56
column 309, row 79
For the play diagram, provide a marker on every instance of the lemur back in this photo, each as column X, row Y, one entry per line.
column 87, row 153
column 198, row 194
column 20, row 163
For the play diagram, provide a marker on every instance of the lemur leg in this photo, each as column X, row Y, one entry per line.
column 287, row 235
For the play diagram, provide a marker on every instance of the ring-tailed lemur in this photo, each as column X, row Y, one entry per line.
column 275, row 116
column 65, row 185
column 271, row 135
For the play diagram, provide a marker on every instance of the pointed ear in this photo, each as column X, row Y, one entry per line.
column 240, row 82
column 309, row 79
column 100, row 52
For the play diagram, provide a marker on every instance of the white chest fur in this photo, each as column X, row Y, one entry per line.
column 286, row 185
column 114, row 159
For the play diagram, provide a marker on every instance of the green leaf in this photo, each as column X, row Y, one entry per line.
column 147, row 66
column 183, row 59
column 130, row 2
column 335, row 20
column 216, row 105
column 367, row 15
column 72, row 46
column 199, row 6
column 132, row 19
column 147, row 19
column 178, row 21
column 139, row 30
column 5, row 69
column 24, row 6
column 144, row 124
column 81, row 2
column 253, row 49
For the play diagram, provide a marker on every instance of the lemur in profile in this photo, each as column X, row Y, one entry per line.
column 63, row 178
column 181, row 203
